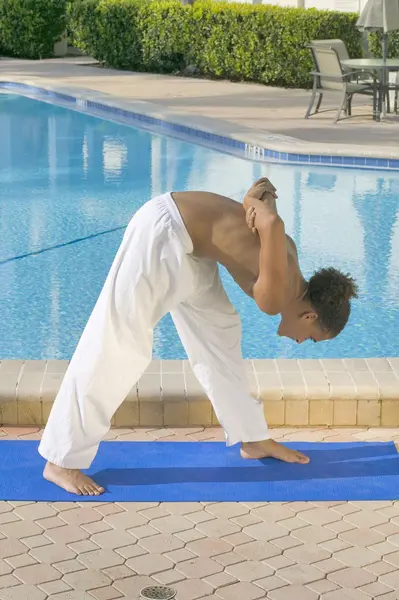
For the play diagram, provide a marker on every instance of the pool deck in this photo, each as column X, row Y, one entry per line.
column 254, row 113
column 206, row 551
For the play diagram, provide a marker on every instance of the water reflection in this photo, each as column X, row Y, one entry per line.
column 64, row 176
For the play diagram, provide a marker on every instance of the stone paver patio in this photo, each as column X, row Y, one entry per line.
column 237, row 551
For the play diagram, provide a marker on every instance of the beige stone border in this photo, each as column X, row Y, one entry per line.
column 347, row 392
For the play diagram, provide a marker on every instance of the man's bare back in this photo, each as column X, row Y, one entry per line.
column 219, row 231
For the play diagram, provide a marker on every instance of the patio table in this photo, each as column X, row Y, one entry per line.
column 383, row 67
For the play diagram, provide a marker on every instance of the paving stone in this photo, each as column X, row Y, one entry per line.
column 272, row 513
column 366, row 519
column 80, row 516
column 376, row 589
column 245, row 520
column 191, row 589
column 172, row 524
column 20, row 530
column 181, row 508
column 34, row 512
column 313, row 534
column 161, row 543
column 112, row 539
column 219, row 580
column 36, row 541
column 352, row 577
column 97, row 527
column 118, row 572
column 83, row 546
column 22, row 592
column 340, row 526
column 181, row 555
column 307, row 554
column 319, row 516
column 287, row 542
column 265, row 532
column 22, row 560
column 100, row 559
column 131, row 551
column 191, row 535
column 34, row 574
column 278, row 562
column 293, row 523
column 131, row 586
column 300, row 574
column 50, row 522
column 257, row 550
column 72, row 595
column 334, row 545
column 249, row 570
column 11, row 547
column 380, row 568
column 54, row 587
column 69, row 566
column 237, row 539
column 155, row 512
column 67, row 534
column 271, row 583
column 149, row 564
column 356, row 557
column 105, row 593
column 218, row 528
column 87, row 580
column 200, row 517
column 293, row 592
column 323, row 586
column 199, row 568
column 209, row 547
column 169, row 577
column 239, row 591
column 8, row 581
column 230, row 558
column 362, row 538
column 227, row 510
column 125, row 520
column 52, row 553
column 145, row 531
column 329, row 565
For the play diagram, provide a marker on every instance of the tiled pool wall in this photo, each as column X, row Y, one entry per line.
column 297, row 393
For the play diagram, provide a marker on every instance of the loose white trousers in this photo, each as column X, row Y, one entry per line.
column 154, row 272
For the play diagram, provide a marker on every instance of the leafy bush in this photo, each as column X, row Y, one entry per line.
column 243, row 42
column 393, row 44
column 30, row 28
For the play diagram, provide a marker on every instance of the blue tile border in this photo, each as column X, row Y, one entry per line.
column 216, row 141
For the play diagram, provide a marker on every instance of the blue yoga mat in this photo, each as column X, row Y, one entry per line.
column 208, row 471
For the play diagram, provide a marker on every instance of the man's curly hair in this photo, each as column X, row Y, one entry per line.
column 330, row 292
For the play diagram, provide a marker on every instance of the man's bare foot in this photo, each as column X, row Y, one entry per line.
column 272, row 449
column 72, row 480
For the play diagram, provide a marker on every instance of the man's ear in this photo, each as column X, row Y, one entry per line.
column 309, row 315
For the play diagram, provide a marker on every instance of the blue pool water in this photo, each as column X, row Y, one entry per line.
column 66, row 176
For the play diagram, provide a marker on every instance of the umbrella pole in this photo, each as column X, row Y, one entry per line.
column 384, row 73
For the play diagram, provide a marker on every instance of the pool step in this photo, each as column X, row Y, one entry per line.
column 295, row 393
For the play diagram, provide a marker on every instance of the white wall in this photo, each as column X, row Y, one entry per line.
column 340, row 5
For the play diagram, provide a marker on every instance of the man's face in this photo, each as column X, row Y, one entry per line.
column 300, row 328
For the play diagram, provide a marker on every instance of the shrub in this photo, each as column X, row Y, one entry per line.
column 30, row 28
column 393, row 44
column 241, row 42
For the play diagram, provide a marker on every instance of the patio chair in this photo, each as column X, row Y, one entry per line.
column 329, row 76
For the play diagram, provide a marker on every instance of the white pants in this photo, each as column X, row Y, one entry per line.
column 154, row 272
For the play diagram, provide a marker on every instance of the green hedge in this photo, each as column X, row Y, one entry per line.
column 30, row 28
column 393, row 44
column 243, row 42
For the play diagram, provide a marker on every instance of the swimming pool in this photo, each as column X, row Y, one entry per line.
column 67, row 176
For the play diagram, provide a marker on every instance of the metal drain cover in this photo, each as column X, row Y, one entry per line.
column 158, row 592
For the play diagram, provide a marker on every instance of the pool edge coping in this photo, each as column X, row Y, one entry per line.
column 243, row 142
column 294, row 393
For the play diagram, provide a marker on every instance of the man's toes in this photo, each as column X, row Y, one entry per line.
column 303, row 459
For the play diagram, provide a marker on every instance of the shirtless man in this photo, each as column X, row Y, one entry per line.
column 168, row 262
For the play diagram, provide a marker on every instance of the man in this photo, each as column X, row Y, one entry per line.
column 168, row 262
